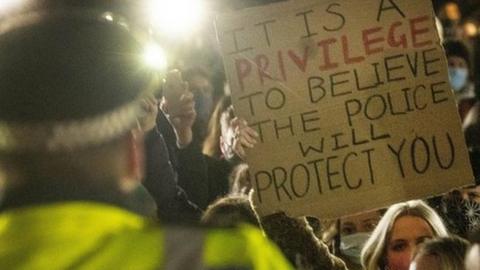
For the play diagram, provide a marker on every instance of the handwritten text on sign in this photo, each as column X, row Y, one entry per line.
column 351, row 100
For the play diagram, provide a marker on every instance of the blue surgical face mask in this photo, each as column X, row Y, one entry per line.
column 458, row 78
column 351, row 246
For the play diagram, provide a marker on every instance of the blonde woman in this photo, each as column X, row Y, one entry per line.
column 401, row 229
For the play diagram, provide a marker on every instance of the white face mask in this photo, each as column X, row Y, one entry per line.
column 351, row 246
column 458, row 78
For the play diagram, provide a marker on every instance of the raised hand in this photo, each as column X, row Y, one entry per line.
column 179, row 107
column 244, row 137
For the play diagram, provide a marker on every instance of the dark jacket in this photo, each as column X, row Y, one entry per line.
column 202, row 177
column 173, row 204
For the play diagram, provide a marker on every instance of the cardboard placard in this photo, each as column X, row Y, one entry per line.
column 352, row 103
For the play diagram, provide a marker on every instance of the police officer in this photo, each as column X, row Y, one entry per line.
column 71, row 84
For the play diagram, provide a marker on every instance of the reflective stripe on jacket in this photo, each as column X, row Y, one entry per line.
column 85, row 235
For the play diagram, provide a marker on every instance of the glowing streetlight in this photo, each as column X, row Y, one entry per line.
column 470, row 29
column 108, row 17
column 177, row 17
column 155, row 57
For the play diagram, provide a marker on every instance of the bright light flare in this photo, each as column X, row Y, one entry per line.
column 470, row 29
column 7, row 5
column 176, row 17
column 108, row 17
column 155, row 57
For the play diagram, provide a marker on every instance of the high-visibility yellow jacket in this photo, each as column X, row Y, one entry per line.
column 83, row 235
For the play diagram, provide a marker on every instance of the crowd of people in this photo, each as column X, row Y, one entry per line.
column 104, row 165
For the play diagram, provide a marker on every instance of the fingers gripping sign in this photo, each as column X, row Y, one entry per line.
column 244, row 137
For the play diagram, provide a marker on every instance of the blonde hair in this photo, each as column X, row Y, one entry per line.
column 450, row 251
column 374, row 251
column 239, row 180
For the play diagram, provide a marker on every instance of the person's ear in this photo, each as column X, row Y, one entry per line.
column 222, row 145
column 135, row 159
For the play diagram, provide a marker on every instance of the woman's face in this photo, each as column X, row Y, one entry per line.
column 457, row 62
column 407, row 233
column 363, row 223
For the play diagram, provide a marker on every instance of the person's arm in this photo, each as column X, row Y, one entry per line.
column 193, row 174
column 179, row 107
column 173, row 203
column 160, row 178
column 176, row 121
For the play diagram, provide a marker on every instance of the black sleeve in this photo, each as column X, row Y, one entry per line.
column 203, row 178
column 173, row 205
column 218, row 173
column 193, row 174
